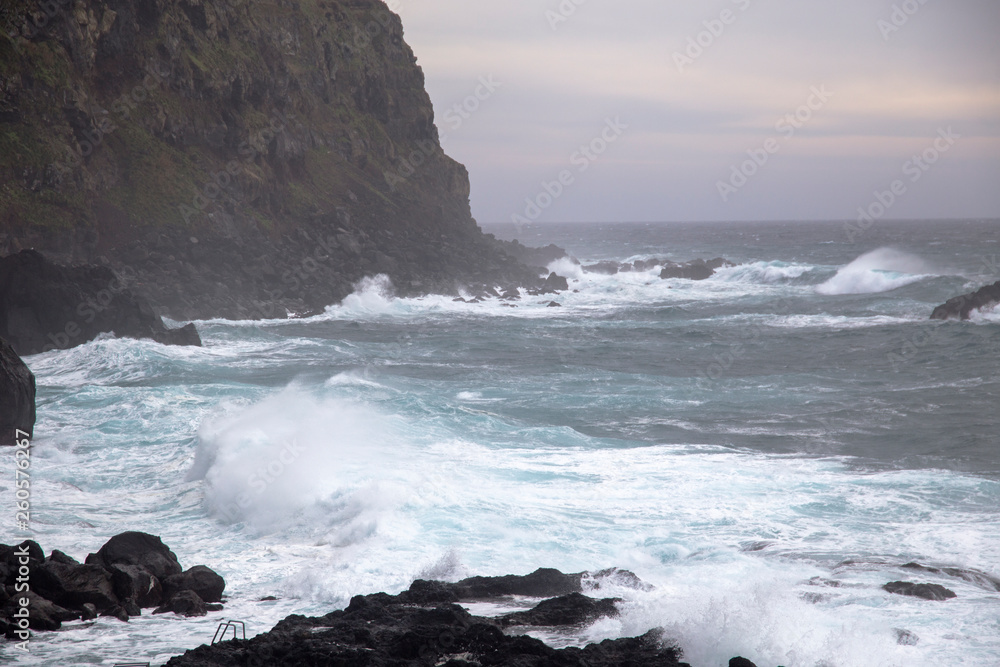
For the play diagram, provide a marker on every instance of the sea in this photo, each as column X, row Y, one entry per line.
column 766, row 448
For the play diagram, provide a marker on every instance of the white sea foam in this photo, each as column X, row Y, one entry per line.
column 880, row 270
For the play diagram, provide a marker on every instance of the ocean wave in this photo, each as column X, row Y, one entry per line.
column 768, row 273
column 881, row 270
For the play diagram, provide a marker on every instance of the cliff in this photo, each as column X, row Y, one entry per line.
column 237, row 158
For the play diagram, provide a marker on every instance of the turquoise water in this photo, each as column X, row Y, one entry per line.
column 767, row 447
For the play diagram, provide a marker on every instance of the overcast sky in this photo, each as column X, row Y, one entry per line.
column 671, row 124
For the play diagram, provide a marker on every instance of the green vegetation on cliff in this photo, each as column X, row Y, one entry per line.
column 129, row 128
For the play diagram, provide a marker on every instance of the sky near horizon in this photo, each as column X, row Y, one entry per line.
column 663, row 110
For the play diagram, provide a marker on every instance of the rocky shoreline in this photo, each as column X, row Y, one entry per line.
column 962, row 307
column 426, row 625
column 131, row 572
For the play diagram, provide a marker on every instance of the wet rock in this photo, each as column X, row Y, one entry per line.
column 43, row 614
column 88, row 612
column 568, row 610
column 555, row 283
column 136, row 583
column 208, row 585
column 905, row 637
column 17, row 396
column 537, row 257
column 73, row 585
column 542, row 583
column 380, row 630
column 740, row 662
column 59, row 557
column 184, row 603
column 605, row 268
column 134, row 548
column 925, row 591
column 697, row 269
column 118, row 612
column 554, row 304
column 44, row 306
column 974, row 577
column 961, row 307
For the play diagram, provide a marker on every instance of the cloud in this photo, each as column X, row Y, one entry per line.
column 756, row 61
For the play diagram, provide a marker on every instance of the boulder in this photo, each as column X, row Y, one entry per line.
column 207, row 584
column 740, row 662
column 555, row 283
column 961, row 307
column 134, row 548
column 44, row 615
column 185, row 603
column 74, row 585
column 926, row 591
column 697, row 269
column 606, row 268
column 135, row 583
column 17, row 396
column 44, row 306
column 566, row 610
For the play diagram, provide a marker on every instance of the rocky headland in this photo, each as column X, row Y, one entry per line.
column 962, row 307
column 237, row 159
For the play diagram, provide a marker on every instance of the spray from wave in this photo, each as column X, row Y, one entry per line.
column 298, row 461
column 880, row 270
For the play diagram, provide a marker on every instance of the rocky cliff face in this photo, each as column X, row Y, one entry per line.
column 241, row 158
column 17, row 397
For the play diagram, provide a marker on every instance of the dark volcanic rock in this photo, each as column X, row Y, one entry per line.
column 961, row 307
column 17, row 396
column 537, row 257
column 555, row 283
column 572, row 609
column 73, row 586
column 44, row 306
column 142, row 549
column 44, row 615
column 185, row 603
column 740, row 662
column 117, row 581
column 974, row 577
column 201, row 580
column 605, row 268
column 381, row 630
column 697, row 269
column 135, row 583
column 542, row 583
column 925, row 591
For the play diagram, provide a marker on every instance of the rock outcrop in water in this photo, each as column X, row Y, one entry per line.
column 425, row 626
column 17, row 396
column 961, row 307
column 240, row 159
column 697, row 269
column 44, row 306
column 133, row 571
column 925, row 591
